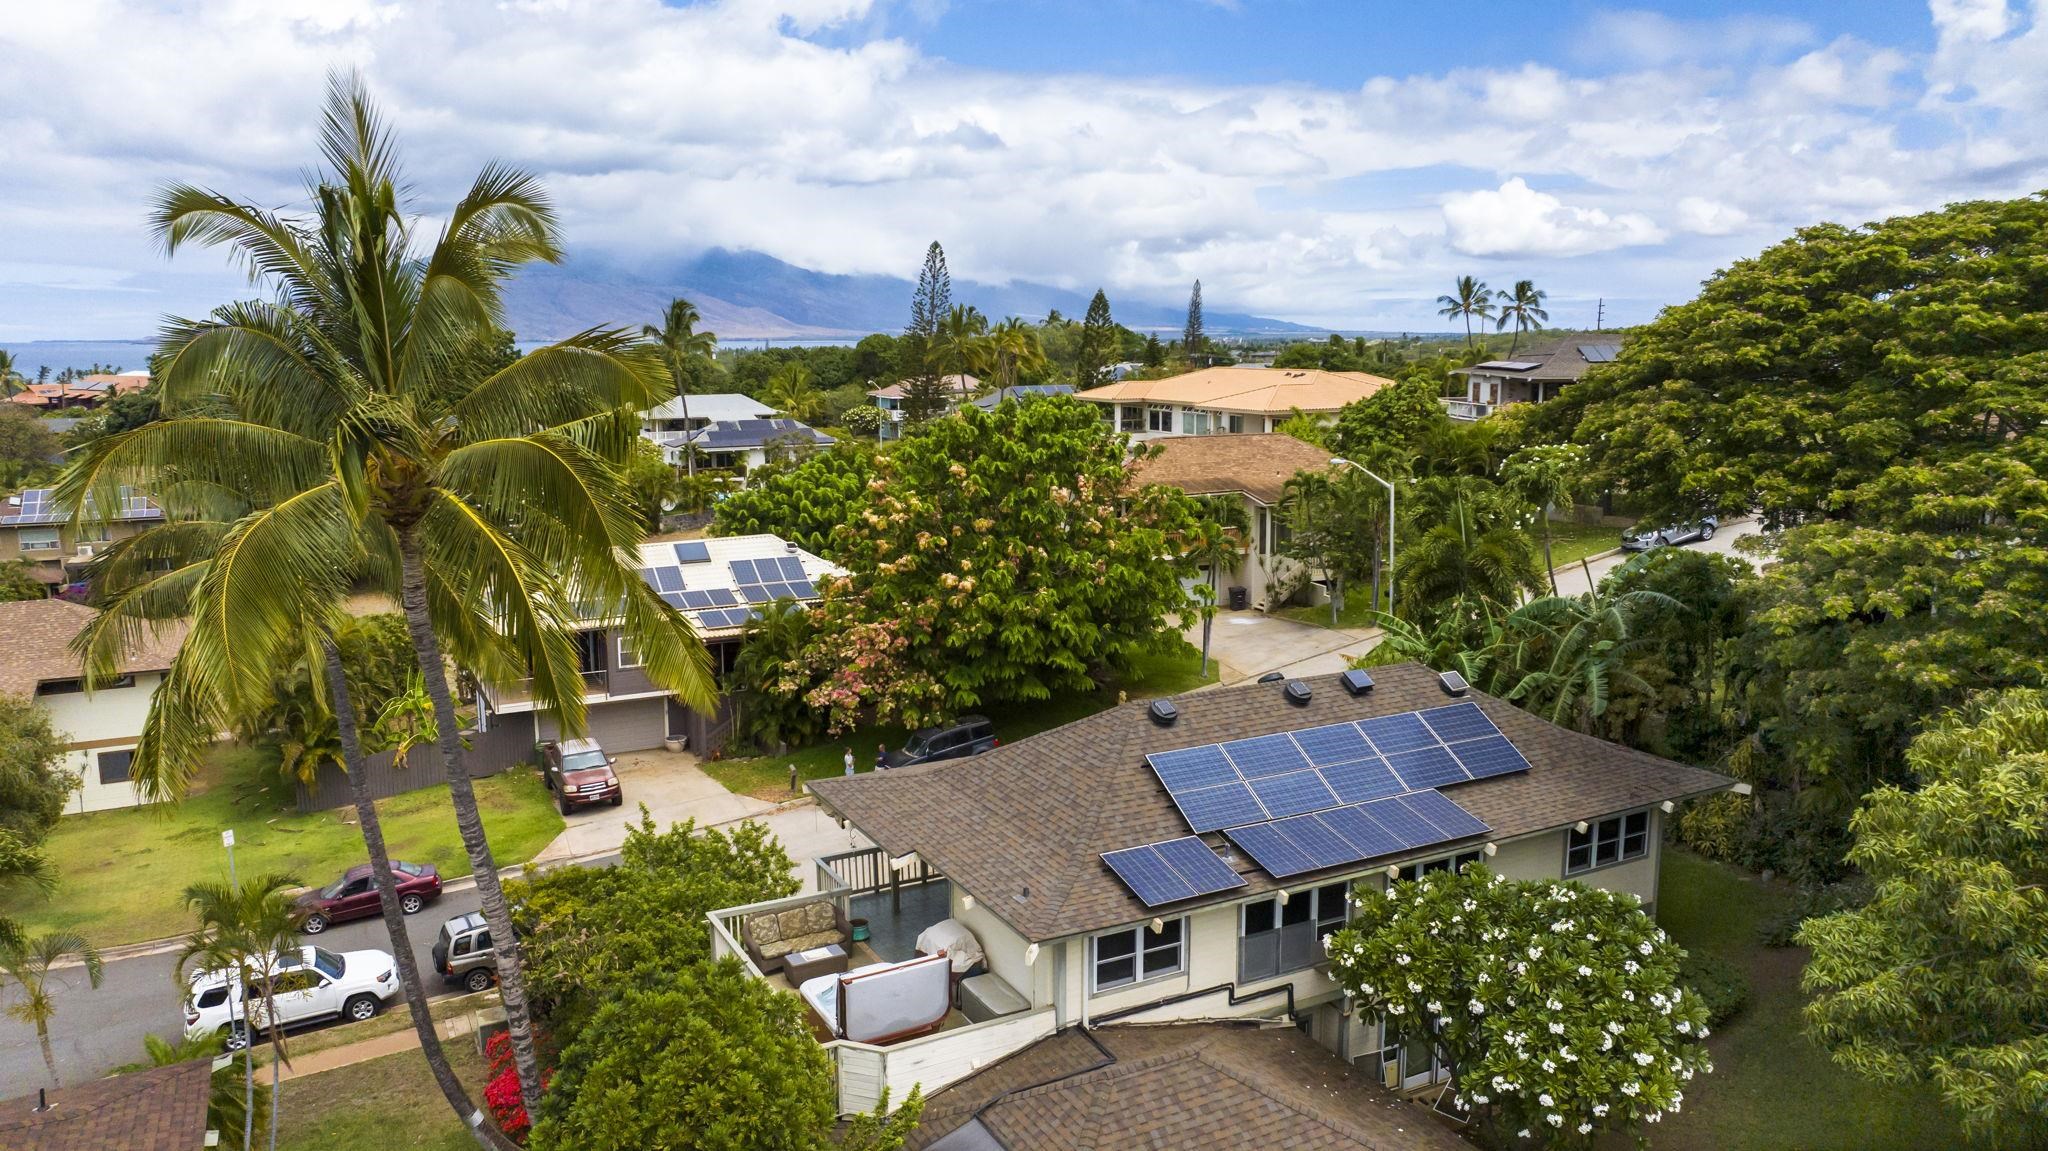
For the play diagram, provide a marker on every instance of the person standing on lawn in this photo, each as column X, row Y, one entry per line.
column 849, row 761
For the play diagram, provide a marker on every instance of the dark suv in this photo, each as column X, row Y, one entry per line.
column 580, row 773
column 968, row 735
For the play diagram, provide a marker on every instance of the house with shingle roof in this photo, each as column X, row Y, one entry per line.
column 101, row 728
column 1180, row 861
column 1252, row 468
column 36, row 527
column 1530, row 376
column 1230, row 400
column 160, row 1109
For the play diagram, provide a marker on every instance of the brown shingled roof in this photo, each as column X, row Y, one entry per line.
column 39, row 634
column 1188, row 1085
column 161, row 1109
column 1023, row 827
column 1258, row 465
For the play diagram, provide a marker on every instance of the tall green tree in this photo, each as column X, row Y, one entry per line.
column 924, row 395
column 794, row 392
column 1191, row 337
column 1155, row 352
column 362, row 449
column 1337, row 525
column 28, row 965
column 34, row 784
column 1522, row 307
column 241, row 930
column 1465, row 540
column 1469, row 300
column 1547, row 476
column 685, row 352
column 1014, row 350
column 1217, row 542
column 26, row 447
column 802, row 500
column 961, row 347
column 1098, row 344
column 11, row 379
column 1938, row 979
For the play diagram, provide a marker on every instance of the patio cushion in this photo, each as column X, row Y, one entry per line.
column 763, row 930
column 783, row 947
column 790, row 922
column 819, row 917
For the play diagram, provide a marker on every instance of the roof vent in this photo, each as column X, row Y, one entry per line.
column 1357, row 681
column 1298, row 693
column 1272, row 677
column 1452, row 683
column 1163, row 712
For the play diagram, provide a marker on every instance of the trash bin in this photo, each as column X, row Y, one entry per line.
column 1239, row 599
column 860, row 929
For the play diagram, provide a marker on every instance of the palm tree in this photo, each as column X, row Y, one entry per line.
column 961, row 346
column 683, row 347
column 1524, row 306
column 1547, row 476
column 21, row 863
column 1014, row 348
column 28, row 962
column 1472, row 547
column 242, row 930
column 357, row 447
column 1469, row 299
column 224, row 1101
column 11, row 379
column 792, row 392
column 1219, row 539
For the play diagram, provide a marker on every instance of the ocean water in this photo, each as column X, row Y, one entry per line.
column 124, row 355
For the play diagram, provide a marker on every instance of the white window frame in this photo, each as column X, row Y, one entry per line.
column 1323, row 919
column 1138, row 955
column 1194, row 422
column 1158, row 418
column 1130, row 418
column 41, row 539
column 627, row 656
column 1628, row 843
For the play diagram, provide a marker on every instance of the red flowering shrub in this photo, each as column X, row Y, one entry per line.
column 501, row 1094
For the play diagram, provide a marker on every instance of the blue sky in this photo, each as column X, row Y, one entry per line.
column 1335, row 162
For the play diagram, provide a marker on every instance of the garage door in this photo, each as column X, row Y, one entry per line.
column 632, row 725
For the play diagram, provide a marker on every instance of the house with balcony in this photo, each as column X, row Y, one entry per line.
column 1230, row 400
column 1254, row 469
column 100, row 729
column 958, row 390
column 1534, row 375
column 35, row 527
column 741, row 445
column 1177, row 863
column 719, row 584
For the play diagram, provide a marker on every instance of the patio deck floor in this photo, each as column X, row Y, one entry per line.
column 892, row 933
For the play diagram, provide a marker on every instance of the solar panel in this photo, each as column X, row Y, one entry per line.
column 743, row 572
column 1450, row 819
column 668, row 579
column 1403, row 823
column 1215, row 808
column 1293, row 793
column 673, row 599
column 1364, row 833
column 1599, row 353
column 803, row 589
column 1265, row 755
column 792, row 568
column 1336, row 743
column 1494, row 755
column 697, row 599
column 1362, row 779
column 756, row 593
column 693, row 552
column 1161, row 873
column 1459, row 721
column 1426, row 767
column 647, row 577
column 1404, row 732
column 1192, row 767
column 723, row 597
column 1323, row 847
column 1270, row 850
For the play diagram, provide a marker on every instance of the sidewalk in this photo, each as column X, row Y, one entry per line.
column 365, row 1050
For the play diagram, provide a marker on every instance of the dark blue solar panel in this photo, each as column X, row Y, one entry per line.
column 1266, row 755
column 743, row 572
column 1215, row 808
column 647, row 577
column 1194, row 862
column 672, row 598
column 755, row 593
column 1323, row 847
column 1271, row 850
column 780, row 591
column 1192, row 767
column 1293, row 793
column 1450, row 819
column 1427, row 767
column 723, row 597
column 1148, row 876
column 668, row 579
column 1459, row 721
column 792, row 568
column 804, row 589
column 692, row 552
column 1491, row 756
column 1336, row 743
column 697, row 599
column 1362, row 831
column 1402, row 732
column 1402, row 824
column 1361, row 780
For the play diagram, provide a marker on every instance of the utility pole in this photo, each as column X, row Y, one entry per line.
column 1600, row 314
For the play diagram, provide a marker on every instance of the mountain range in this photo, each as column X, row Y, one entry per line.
column 750, row 295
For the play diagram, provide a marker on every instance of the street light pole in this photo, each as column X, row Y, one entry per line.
column 1339, row 461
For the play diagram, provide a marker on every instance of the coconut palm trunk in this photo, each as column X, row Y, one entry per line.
column 394, row 918
column 469, row 820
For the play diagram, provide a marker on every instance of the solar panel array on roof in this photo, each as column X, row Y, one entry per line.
column 34, row 507
column 1599, row 353
column 1352, row 834
column 1160, row 873
column 772, row 578
column 1509, row 365
column 1224, row 785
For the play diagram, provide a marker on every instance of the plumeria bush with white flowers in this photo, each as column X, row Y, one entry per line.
column 1560, row 1011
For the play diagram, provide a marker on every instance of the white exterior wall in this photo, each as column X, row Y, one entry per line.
column 106, row 720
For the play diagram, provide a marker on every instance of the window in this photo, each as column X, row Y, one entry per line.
column 60, row 686
column 1136, row 954
column 1158, row 418
column 212, row 997
column 1194, row 423
column 114, row 765
column 1616, row 839
column 1275, row 939
column 41, row 539
column 1131, row 418
column 627, row 656
column 1448, row 863
column 1235, row 424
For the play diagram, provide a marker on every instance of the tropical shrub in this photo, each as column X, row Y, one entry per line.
column 802, row 500
column 1720, row 985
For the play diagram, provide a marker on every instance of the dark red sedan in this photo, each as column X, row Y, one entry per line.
column 354, row 895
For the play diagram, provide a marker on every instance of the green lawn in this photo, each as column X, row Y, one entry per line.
column 1772, row 1089
column 1569, row 543
column 387, row 1104
column 768, row 776
column 120, row 873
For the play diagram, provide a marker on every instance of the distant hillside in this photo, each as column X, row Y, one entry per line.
column 748, row 295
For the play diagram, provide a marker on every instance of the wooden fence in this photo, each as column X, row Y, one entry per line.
column 489, row 752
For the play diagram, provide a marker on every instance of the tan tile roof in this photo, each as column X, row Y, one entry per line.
column 1189, row 1085
column 39, row 634
column 1257, row 464
column 1261, row 391
column 960, row 385
column 1023, row 827
column 161, row 1109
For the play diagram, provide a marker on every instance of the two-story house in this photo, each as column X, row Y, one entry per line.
column 743, row 445
column 1534, row 375
column 100, row 729
column 719, row 584
column 1251, row 468
column 958, row 390
column 1228, row 400
column 1179, row 861
column 36, row 528
column 665, row 425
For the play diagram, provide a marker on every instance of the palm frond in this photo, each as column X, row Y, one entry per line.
column 264, row 462
column 591, row 372
column 505, row 477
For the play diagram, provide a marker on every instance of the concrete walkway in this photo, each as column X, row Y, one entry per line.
column 365, row 1050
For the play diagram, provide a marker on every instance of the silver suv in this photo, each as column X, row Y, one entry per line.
column 463, row 954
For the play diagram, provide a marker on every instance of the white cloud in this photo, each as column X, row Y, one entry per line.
column 1709, row 217
column 1970, row 19
column 1517, row 220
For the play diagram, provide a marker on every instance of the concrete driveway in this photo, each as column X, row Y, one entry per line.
column 1247, row 645
column 672, row 787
